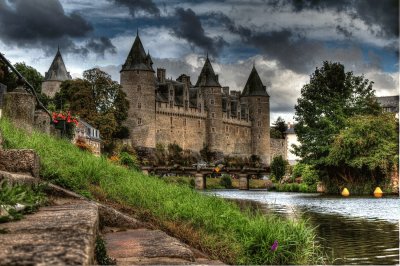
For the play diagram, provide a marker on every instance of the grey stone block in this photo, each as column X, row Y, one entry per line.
column 20, row 161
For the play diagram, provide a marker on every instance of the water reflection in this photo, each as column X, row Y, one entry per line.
column 352, row 231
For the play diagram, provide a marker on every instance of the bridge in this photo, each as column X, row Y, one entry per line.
column 200, row 174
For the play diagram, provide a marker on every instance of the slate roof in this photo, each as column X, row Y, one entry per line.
column 389, row 102
column 137, row 58
column 57, row 70
column 254, row 85
column 207, row 77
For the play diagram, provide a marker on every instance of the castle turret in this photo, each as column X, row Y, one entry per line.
column 57, row 73
column 210, row 90
column 257, row 99
column 139, row 83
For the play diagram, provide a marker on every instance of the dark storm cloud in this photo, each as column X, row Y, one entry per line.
column 344, row 31
column 384, row 13
column 43, row 24
column 101, row 45
column 189, row 27
column 135, row 6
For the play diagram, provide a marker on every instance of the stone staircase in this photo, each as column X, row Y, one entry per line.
column 65, row 233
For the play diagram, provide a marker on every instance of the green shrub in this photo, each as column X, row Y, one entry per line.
column 278, row 167
column 309, row 175
column 298, row 170
column 226, row 181
column 129, row 160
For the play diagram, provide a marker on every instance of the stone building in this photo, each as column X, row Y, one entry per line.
column 57, row 73
column 89, row 135
column 3, row 90
column 167, row 111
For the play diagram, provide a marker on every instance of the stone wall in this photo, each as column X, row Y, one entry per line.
column 51, row 87
column 278, row 147
column 19, row 107
column 237, row 137
column 183, row 127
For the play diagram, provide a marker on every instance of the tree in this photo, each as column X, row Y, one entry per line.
column 280, row 126
column 97, row 99
column 367, row 148
column 278, row 167
column 331, row 97
column 274, row 133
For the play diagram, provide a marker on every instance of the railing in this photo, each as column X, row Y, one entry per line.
column 28, row 87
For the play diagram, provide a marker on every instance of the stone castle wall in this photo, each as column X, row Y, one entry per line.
column 185, row 127
column 237, row 137
column 51, row 87
column 278, row 147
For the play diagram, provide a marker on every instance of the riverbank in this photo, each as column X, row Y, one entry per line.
column 211, row 224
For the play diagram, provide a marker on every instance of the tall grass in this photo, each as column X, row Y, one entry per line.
column 206, row 222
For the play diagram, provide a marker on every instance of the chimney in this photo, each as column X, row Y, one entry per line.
column 161, row 75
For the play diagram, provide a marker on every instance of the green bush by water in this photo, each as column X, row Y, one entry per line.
column 218, row 226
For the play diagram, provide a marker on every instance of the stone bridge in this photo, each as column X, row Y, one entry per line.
column 200, row 174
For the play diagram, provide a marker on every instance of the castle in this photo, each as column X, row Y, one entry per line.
column 194, row 116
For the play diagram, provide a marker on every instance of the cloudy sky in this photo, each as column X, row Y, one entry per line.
column 286, row 39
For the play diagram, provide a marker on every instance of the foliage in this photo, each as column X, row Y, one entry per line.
column 280, row 126
column 274, row 133
column 309, row 175
column 367, row 147
column 331, row 97
column 214, row 225
column 98, row 100
column 278, row 167
column 82, row 145
column 102, row 257
column 298, row 170
column 226, row 181
column 294, row 187
column 11, row 195
column 129, row 160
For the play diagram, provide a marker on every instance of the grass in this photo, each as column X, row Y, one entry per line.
column 209, row 223
column 11, row 195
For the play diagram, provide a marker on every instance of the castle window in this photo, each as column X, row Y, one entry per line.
column 259, row 110
column 212, row 101
column 170, row 120
column 139, row 88
column 139, row 105
column 171, row 104
column 259, row 123
column 259, row 137
column 212, row 115
column 213, row 129
column 137, row 71
column 258, row 100
column 171, row 92
column 184, row 122
column 199, row 123
column 139, row 121
column 226, row 128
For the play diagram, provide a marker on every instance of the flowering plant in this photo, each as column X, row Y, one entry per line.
column 57, row 117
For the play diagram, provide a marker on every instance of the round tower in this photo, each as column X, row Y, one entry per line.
column 138, row 82
column 257, row 99
column 210, row 90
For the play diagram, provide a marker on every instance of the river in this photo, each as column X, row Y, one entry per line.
column 353, row 230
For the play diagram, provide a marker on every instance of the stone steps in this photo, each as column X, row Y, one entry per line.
column 55, row 235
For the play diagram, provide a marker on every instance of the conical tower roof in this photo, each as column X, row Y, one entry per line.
column 137, row 58
column 254, row 85
column 57, row 70
column 207, row 77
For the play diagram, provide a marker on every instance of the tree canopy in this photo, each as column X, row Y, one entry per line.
column 98, row 100
column 330, row 98
column 280, row 128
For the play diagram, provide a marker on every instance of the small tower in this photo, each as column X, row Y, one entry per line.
column 257, row 99
column 139, row 83
column 210, row 90
column 57, row 73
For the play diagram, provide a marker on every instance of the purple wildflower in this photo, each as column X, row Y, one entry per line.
column 274, row 246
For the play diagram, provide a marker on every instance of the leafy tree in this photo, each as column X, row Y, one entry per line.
column 97, row 99
column 174, row 153
column 278, row 167
column 280, row 126
column 331, row 97
column 366, row 148
column 274, row 133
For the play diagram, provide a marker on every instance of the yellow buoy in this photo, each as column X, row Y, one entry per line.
column 345, row 192
column 378, row 192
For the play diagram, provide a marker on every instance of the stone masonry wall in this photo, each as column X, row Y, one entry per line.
column 237, row 137
column 51, row 87
column 278, row 147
